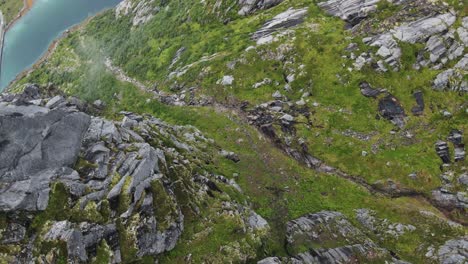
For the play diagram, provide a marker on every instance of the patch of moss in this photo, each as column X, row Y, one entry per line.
column 83, row 166
column 125, row 198
column 127, row 243
column 57, row 209
column 103, row 253
column 89, row 214
column 163, row 205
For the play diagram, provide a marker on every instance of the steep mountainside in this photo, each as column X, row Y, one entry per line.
column 234, row 131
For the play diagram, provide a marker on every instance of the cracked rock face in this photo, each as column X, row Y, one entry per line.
column 454, row 251
column 352, row 11
column 423, row 28
column 287, row 19
column 116, row 179
column 36, row 141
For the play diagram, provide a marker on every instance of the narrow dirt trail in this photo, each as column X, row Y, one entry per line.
column 323, row 167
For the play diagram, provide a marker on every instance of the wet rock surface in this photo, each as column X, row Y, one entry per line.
column 391, row 109
column 419, row 108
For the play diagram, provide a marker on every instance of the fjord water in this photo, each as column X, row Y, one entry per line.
column 29, row 38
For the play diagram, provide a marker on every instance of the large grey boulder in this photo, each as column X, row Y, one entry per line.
column 39, row 141
column 270, row 260
column 64, row 231
column 35, row 143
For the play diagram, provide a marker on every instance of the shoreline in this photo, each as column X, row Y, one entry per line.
column 28, row 4
column 50, row 50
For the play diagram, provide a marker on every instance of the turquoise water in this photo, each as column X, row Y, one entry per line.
column 29, row 38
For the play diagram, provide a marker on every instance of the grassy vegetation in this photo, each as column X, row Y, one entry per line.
column 278, row 187
column 10, row 9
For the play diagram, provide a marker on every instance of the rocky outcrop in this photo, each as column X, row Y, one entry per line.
column 452, row 79
column 456, row 137
column 142, row 11
column 121, row 183
column 389, row 52
column 382, row 228
column 416, row 21
column 328, row 237
column 452, row 195
column 442, row 147
column 391, row 109
column 368, row 91
column 278, row 24
column 79, row 239
column 442, row 150
column 249, row 6
column 453, row 251
column 424, row 28
column 352, row 11
column 418, row 109
column 450, row 200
